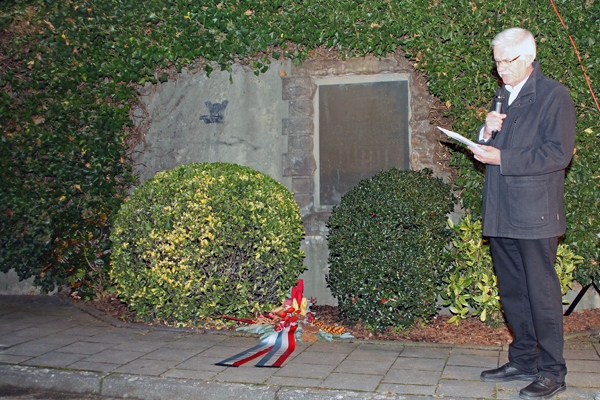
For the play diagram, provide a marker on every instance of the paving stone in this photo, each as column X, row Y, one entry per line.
column 189, row 374
column 385, row 347
column 32, row 349
column 170, row 354
column 85, row 348
column 184, row 359
column 425, row 352
column 11, row 340
column 62, row 324
column 364, row 367
column 143, row 346
column 327, row 347
column 408, row 377
column 222, row 352
column 113, row 336
column 583, row 379
column 20, row 333
column 94, row 366
column 115, row 356
column 458, row 372
column 583, row 366
column 477, row 352
column 569, row 354
column 195, row 342
column 240, row 342
column 582, row 343
column 419, row 364
column 6, row 327
column 466, row 360
column 466, row 389
column 161, row 336
column 37, row 331
column 12, row 359
column 143, row 366
column 406, row 389
column 343, row 381
column 245, row 375
column 310, row 357
column 292, row 381
column 575, row 393
column 508, row 395
column 374, row 354
column 54, row 359
column 299, row 350
column 32, row 319
column 57, row 340
column 512, row 386
column 87, row 330
column 305, row 371
column 202, row 364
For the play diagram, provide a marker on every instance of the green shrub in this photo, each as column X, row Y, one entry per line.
column 387, row 240
column 206, row 239
column 471, row 284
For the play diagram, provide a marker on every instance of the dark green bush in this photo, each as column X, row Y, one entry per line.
column 387, row 240
column 206, row 239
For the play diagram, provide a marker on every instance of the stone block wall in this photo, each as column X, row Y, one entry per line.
column 299, row 89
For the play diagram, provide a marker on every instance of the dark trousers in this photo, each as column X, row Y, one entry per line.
column 532, row 302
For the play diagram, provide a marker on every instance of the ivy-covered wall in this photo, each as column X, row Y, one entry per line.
column 69, row 69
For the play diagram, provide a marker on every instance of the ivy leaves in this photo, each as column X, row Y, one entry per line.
column 70, row 68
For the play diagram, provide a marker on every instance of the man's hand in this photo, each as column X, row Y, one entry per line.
column 493, row 122
column 486, row 154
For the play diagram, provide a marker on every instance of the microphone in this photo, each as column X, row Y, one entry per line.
column 498, row 108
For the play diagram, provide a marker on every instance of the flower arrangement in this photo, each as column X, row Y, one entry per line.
column 294, row 312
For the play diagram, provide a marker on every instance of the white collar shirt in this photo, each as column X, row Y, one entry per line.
column 515, row 90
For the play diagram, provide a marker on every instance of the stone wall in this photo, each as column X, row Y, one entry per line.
column 299, row 89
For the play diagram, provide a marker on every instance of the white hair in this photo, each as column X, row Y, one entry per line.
column 517, row 38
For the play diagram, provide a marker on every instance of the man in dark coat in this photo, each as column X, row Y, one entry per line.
column 526, row 148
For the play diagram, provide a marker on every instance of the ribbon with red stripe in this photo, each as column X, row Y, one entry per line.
column 277, row 347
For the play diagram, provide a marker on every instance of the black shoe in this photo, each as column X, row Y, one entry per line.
column 542, row 388
column 506, row 373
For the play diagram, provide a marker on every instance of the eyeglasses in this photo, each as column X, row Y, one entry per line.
column 505, row 63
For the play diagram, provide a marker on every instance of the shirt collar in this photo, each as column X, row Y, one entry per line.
column 514, row 90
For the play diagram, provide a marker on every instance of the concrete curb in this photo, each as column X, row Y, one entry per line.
column 154, row 388
column 291, row 393
column 80, row 382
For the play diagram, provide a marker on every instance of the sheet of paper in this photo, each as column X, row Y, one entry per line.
column 459, row 137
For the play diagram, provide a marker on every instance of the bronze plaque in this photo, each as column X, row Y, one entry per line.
column 363, row 128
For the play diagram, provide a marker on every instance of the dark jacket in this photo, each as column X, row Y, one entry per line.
column 523, row 198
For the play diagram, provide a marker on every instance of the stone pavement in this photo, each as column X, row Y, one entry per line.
column 49, row 343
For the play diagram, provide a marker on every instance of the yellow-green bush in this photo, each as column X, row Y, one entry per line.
column 206, row 239
column 471, row 286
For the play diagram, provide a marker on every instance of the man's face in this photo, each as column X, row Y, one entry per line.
column 512, row 73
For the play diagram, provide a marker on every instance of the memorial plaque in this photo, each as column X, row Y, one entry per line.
column 363, row 128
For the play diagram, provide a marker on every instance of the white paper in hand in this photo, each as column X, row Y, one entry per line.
column 460, row 138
